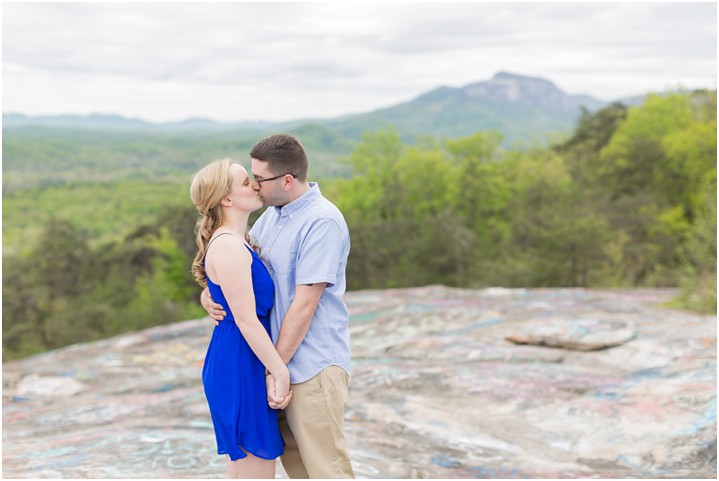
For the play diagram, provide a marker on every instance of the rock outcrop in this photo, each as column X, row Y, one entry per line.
column 437, row 391
column 578, row 334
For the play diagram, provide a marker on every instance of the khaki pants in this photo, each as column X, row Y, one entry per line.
column 312, row 427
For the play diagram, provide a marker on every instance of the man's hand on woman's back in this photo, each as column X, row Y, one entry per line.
column 213, row 309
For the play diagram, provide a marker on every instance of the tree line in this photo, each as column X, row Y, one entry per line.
column 628, row 200
column 41, row 156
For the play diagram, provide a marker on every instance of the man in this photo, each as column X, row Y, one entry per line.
column 305, row 242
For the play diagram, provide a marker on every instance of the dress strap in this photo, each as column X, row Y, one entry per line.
column 213, row 240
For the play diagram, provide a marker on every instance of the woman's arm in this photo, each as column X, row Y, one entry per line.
column 229, row 264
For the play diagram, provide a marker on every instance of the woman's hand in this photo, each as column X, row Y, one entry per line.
column 273, row 386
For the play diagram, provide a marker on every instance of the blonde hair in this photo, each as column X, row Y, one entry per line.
column 209, row 186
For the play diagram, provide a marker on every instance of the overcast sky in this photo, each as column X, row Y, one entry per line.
column 283, row 61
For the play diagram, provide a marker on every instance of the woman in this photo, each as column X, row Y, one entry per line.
column 240, row 352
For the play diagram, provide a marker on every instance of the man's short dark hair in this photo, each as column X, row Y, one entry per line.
column 284, row 153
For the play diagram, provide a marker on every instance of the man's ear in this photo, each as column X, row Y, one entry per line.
column 287, row 182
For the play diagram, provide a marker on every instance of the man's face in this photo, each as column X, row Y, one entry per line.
column 267, row 184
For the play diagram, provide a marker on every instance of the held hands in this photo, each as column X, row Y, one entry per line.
column 275, row 386
column 213, row 309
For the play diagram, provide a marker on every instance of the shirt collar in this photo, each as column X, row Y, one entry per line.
column 301, row 202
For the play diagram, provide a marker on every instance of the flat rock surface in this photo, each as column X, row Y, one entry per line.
column 437, row 391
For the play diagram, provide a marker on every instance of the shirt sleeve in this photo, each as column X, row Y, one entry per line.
column 320, row 253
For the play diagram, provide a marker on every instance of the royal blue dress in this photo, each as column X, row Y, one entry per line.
column 234, row 379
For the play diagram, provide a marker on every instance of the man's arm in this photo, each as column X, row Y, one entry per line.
column 213, row 309
column 298, row 318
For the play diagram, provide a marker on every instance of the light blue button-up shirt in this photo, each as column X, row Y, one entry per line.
column 305, row 242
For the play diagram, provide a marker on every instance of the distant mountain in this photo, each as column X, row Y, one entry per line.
column 507, row 88
column 102, row 121
column 520, row 107
column 95, row 121
column 636, row 99
column 202, row 123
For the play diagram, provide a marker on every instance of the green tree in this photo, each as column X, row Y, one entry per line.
column 398, row 206
column 653, row 166
column 41, row 285
column 480, row 184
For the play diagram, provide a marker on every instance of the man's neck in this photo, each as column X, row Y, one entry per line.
column 299, row 192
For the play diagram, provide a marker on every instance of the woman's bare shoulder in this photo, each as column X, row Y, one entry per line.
column 227, row 251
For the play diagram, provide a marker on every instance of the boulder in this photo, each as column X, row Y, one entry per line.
column 576, row 334
column 34, row 385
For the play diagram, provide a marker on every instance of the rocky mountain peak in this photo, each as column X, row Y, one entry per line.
column 512, row 88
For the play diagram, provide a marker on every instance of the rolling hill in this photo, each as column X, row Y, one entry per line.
column 52, row 150
column 520, row 107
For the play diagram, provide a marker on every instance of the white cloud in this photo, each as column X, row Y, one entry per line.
column 280, row 61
